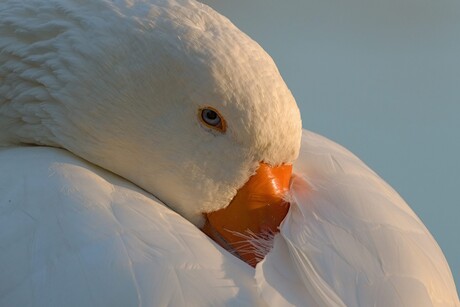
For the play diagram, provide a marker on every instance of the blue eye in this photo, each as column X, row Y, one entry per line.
column 212, row 119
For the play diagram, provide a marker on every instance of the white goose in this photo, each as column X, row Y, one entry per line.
column 173, row 98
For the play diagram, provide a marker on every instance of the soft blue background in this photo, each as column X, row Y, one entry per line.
column 381, row 78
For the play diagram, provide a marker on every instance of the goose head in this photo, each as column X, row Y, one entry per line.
column 171, row 96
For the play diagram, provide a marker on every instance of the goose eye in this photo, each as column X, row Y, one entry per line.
column 212, row 119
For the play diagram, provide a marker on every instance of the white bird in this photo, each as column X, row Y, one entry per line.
column 186, row 109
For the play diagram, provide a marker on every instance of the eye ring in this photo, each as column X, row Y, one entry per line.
column 211, row 118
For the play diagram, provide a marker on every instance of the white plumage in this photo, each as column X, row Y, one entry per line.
column 351, row 240
column 73, row 234
column 118, row 84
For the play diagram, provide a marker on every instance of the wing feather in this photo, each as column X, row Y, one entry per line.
column 72, row 234
column 352, row 240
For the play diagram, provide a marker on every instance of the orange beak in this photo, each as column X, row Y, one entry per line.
column 255, row 212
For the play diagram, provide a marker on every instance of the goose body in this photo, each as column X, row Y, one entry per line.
column 151, row 117
column 74, row 234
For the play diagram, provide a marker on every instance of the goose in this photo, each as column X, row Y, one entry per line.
column 152, row 155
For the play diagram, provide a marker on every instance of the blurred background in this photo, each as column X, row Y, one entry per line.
column 382, row 78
